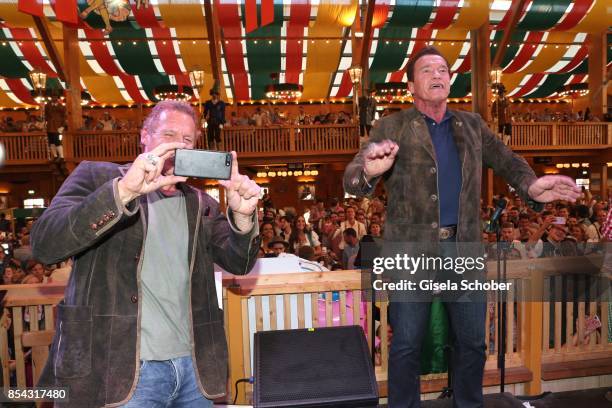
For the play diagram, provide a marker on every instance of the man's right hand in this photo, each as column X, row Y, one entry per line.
column 379, row 157
column 144, row 176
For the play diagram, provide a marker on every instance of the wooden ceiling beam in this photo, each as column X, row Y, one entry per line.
column 54, row 55
column 214, row 37
column 515, row 10
column 366, row 43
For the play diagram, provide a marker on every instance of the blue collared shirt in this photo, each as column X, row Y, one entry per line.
column 449, row 168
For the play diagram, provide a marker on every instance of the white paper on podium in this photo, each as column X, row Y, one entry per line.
column 263, row 266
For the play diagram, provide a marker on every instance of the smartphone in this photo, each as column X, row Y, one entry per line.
column 203, row 164
column 559, row 221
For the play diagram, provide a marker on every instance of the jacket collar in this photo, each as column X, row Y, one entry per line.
column 421, row 132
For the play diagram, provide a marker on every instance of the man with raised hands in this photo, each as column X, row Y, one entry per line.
column 140, row 324
column 431, row 160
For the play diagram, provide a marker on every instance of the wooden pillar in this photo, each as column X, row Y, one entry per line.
column 73, row 94
column 598, row 95
column 534, row 324
column 481, row 66
column 604, row 182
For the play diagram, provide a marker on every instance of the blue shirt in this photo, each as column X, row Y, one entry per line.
column 449, row 168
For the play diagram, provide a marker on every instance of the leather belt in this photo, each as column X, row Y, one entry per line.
column 447, row 232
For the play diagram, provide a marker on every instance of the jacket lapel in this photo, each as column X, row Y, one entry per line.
column 192, row 204
column 420, row 131
column 459, row 135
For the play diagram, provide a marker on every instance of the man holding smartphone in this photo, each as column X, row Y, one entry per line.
column 139, row 325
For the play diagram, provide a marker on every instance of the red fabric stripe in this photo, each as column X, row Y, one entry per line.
column 20, row 90
column 502, row 24
column 167, row 56
column 345, row 86
column 445, row 14
column 466, row 65
column 108, row 64
column 234, row 58
column 66, row 11
column 381, row 13
column 423, row 35
column 33, row 7
column 145, row 17
column 525, row 53
column 30, row 51
column 298, row 19
column 182, row 79
column 267, row 12
column 578, row 78
column 579, row 10
column 529, row 86
column 79, row 22
column 250, row 14
column 101, row 53
column 577, row 60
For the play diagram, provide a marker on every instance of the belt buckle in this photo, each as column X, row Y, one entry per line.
column 445, row 233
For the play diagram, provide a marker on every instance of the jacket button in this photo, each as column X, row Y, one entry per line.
column 134, row 298
column 94, row 226
column 433, row 170
column 434, row 225
column 433, row 197
column 106, row 217
column 136, row 258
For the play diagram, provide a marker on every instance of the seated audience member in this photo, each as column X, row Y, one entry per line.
column 284, row 227
column 61, row 274
column 278, row 245
column 375, row 230
column 36, row 269
column 351, row 248
column 558, row 244
column 593, row 231
column 303, row 235
column 329, row 238
column 351, row 222
column 267, row 235
column 24, row 253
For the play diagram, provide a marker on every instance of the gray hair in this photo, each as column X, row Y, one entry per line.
column 152, row 121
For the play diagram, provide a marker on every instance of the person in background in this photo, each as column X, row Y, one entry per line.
column 214, row 114
column 55, row 114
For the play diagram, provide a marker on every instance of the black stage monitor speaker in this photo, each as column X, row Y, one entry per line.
column 326, row 367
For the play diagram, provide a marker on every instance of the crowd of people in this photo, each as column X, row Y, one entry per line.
column 331, row 232
column 17, row 263
column 264, row 116
column 547, row 115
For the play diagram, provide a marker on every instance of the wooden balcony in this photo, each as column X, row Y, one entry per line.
column 330, row 142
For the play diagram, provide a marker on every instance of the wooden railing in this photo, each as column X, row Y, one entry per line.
column 544, row 135
column 123, row 146
column 30, row 309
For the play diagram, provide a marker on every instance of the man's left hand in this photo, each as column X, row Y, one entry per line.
column 242, row 192
column 551, row 188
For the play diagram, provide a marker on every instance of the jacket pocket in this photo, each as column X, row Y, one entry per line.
column 73, row 357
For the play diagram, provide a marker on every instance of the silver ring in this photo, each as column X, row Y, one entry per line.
column 151, row 158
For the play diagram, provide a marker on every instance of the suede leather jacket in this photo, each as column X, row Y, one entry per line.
column 412, row 182
column 96, row 348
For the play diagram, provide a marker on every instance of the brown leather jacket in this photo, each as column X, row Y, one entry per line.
column 412, row 182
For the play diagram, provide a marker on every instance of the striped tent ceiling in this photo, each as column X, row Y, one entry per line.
column 295, row 41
